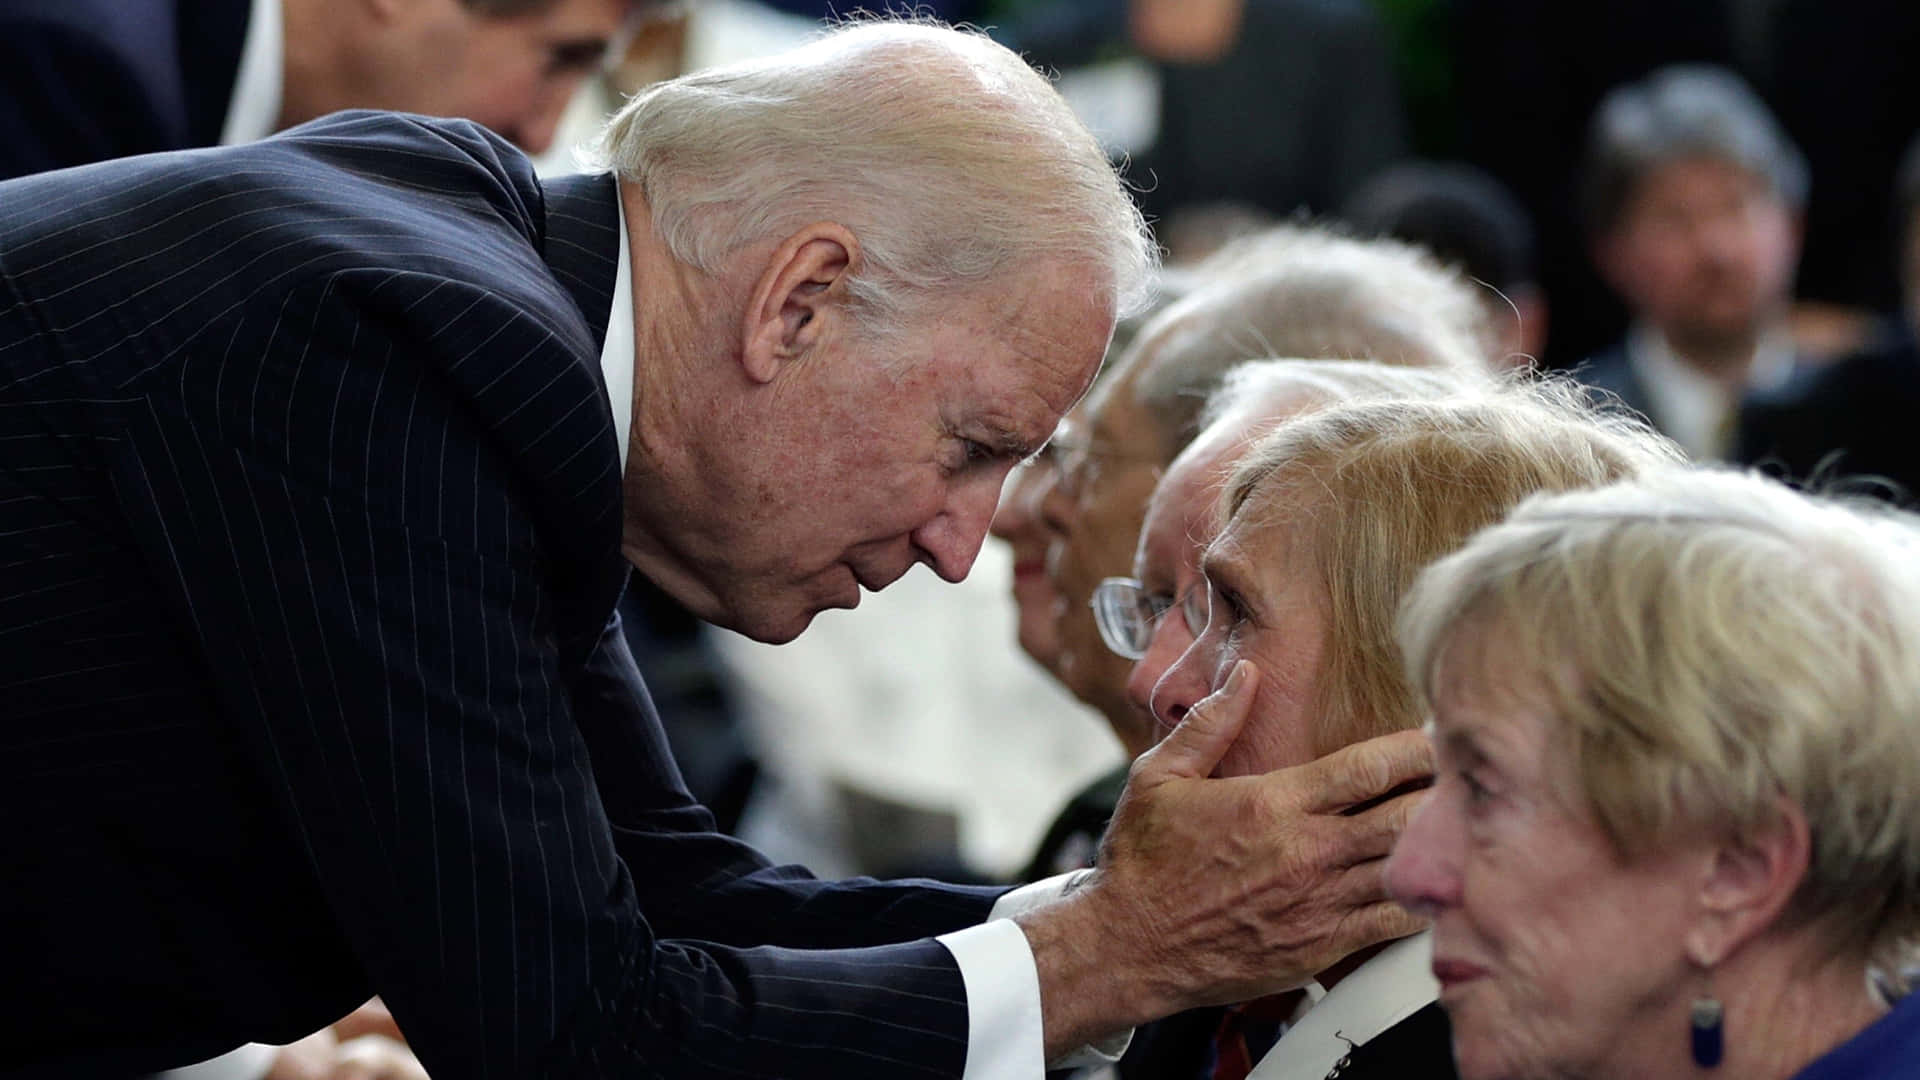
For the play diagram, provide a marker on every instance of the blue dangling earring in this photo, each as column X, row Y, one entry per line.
column 1707, row 1033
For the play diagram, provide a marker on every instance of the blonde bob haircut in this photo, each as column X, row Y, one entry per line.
column 1384, row 487
column 950, row 160
column 1707, row 642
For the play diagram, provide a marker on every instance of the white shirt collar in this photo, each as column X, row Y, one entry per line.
column 1695, row 410
column 254, row 108
column 616, row 356
column 1396, row 983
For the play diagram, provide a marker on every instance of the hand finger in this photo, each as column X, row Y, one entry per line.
column 1384, row 921
column 1194, row 747
column 1372, row 833
column 1367, row 770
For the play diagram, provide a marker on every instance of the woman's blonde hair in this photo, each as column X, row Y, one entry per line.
column 1386, row 486
column 1707, row 642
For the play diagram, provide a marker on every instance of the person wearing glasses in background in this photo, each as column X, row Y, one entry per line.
column 90, row 80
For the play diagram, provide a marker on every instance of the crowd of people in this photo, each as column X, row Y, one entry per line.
column 363, row 493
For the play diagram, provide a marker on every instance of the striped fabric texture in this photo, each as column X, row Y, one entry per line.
column 310, row 683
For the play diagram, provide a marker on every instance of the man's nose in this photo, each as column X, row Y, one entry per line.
column 1163, row 650
column 1423, row 873
column 1018, row 507
column 534, row 133
column 951, row 541
column 1054, row 504
column 1180, row 689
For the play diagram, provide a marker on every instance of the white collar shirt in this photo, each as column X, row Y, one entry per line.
column 1392, row 985
column 1696, row 410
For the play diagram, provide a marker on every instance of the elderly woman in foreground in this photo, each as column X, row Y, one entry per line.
column 1325, row 523
column 1676, row 825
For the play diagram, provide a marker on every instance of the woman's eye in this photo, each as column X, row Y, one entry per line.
column 979, row 453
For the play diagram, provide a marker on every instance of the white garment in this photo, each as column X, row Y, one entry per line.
column 1396, row 983
column 1698, row 412
column 254, row 108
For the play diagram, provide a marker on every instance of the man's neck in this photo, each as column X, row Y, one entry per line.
column 307, row 61
column 675, row 328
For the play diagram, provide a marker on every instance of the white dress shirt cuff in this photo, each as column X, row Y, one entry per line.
column 1005, row 1038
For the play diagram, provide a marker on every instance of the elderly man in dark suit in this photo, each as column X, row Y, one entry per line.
column 326, row 459
column 89, row 80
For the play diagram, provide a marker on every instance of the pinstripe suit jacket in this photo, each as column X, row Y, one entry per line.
column 309, row 514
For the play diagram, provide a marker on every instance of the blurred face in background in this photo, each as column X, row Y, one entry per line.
column 515, row 73
column 1110, row 454
column 1017, row 522
column 1704, row 251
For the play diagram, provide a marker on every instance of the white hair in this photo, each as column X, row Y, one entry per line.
column 1707, row 642
column 949, row 159
column 1314, row 292
column 1257, row 388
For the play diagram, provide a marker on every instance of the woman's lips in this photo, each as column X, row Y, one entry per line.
column 1029, row 570
column 1454, row 972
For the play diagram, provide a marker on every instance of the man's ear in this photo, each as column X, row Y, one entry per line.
column 801, row 286
column 1748, row 882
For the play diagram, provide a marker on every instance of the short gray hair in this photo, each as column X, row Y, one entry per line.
column 948, row 158
column 1708, row 641
column 1387, row 486
column 1310, row 291
column 1679, row 112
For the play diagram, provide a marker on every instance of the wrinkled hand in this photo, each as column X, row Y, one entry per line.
column 1212, row 891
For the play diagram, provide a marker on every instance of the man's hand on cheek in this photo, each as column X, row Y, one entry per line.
column 1212, row 891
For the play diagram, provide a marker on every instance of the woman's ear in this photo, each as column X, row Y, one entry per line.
column 1748, row 881
column 801, row 288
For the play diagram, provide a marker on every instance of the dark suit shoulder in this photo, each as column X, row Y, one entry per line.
column 87, row 80
column 1417, row 1048
column 1851, row 418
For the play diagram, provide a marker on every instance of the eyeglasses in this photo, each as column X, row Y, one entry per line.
column 1127, row 614
column 1080, row 459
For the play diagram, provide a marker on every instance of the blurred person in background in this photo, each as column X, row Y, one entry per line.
column 1676, row 827
column 1322, row 526
column 1853, row 420
column 89, row 80
column 1692, row 203
column 1296, row 290
column 1469, row 221
column 1276, row 104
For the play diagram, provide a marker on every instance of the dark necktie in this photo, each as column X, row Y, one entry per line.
column 1246, row 1032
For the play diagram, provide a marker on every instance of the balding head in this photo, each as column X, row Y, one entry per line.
column 952, row 163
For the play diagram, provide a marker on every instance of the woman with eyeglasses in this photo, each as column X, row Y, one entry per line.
column 1324, row 524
